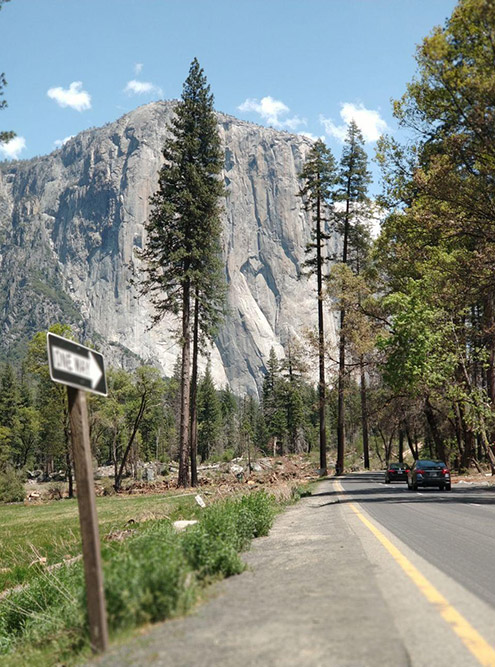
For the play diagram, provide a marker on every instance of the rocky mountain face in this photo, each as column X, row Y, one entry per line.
column 70, row 222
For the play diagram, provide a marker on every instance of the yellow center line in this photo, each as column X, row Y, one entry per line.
column 480, row 648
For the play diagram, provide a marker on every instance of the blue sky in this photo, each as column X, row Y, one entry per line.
column 304, row 66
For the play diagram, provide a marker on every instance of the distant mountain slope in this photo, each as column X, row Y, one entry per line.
column 70, row 221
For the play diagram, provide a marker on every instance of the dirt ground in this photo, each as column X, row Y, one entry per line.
column 276, row 475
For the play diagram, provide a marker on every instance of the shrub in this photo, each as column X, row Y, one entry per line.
column 56, row 491
column 11, row 487
column 146, row 579
column 212, row 546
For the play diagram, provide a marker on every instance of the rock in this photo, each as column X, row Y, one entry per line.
column 71, row 221
column 236, row 469
column 183, row 524
column 58, row 476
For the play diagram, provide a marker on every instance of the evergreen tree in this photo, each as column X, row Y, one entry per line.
column 274, row 403
column 209, row 416
column 9, row 406
column 354, row 179
column 230, row 418
column 183, row 227
column 318, row 179
column 294, row 369
column 51, row 402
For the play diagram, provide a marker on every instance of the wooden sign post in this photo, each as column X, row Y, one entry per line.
column 77, row 366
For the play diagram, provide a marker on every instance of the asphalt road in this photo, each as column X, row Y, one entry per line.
column 453, row 530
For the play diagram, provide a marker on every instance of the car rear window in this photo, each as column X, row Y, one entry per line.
column 431, row 464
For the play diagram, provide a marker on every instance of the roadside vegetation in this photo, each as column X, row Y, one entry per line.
column 153, row 573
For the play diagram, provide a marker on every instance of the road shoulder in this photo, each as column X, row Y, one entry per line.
column 309, row 597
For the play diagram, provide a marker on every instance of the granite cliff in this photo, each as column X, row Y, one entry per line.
column 70, row 221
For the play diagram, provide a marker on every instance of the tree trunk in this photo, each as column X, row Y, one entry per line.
column 364, row 416
column 194, row 395
column 185, row 382
column 401, row 445
column 458, row 436
column 410, row 442
column 435, row 434
column 137, row 421
column 70, row 477
column 321, row 346
column 339, row 468
column 489, row 330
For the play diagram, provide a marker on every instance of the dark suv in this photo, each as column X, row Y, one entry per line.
column 428, row 473
column 396, row 472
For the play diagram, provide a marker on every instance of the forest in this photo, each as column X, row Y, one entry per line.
column 413, row 371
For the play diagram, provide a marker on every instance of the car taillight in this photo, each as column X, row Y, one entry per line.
column 419, row 471
column 407, row 470
column 445, row 471
column 390, row 470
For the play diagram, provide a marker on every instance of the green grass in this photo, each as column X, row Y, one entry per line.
column 152, row 575
column 51, row 530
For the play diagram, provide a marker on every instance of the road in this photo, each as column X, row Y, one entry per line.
column 453, row 530
column 434, row 546
column 359, row 574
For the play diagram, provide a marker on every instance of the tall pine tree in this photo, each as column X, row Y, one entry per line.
column 318, row 179
column 183, row 227
column 354, row 179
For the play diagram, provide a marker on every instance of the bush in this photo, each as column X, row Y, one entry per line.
column 56, row 491
column 146, row 579
column 11, row 487
column 212, row 546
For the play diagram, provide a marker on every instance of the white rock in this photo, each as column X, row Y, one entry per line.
column 183, row 524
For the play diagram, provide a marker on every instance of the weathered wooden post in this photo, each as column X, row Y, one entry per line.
column 82, row 369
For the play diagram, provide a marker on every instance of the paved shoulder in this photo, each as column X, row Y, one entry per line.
column 309, row 597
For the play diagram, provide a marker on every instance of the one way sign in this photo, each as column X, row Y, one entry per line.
column 75, row 365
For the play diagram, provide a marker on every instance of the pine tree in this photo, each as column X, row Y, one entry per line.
column 274, row 410
column 183, row 227
column 318, row 179
column 354, row 179
column 209, row 416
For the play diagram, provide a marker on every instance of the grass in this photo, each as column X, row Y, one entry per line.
column 152, row 575
column 51, row 530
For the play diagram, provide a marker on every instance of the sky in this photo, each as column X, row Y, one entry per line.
column 304, row 66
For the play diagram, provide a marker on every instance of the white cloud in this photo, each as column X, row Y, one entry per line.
column 58, row 143
column 270, row 111
column 141, row 88
column 138, row 68
column 73, row 96
column 369, row 122
column 12, row 149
